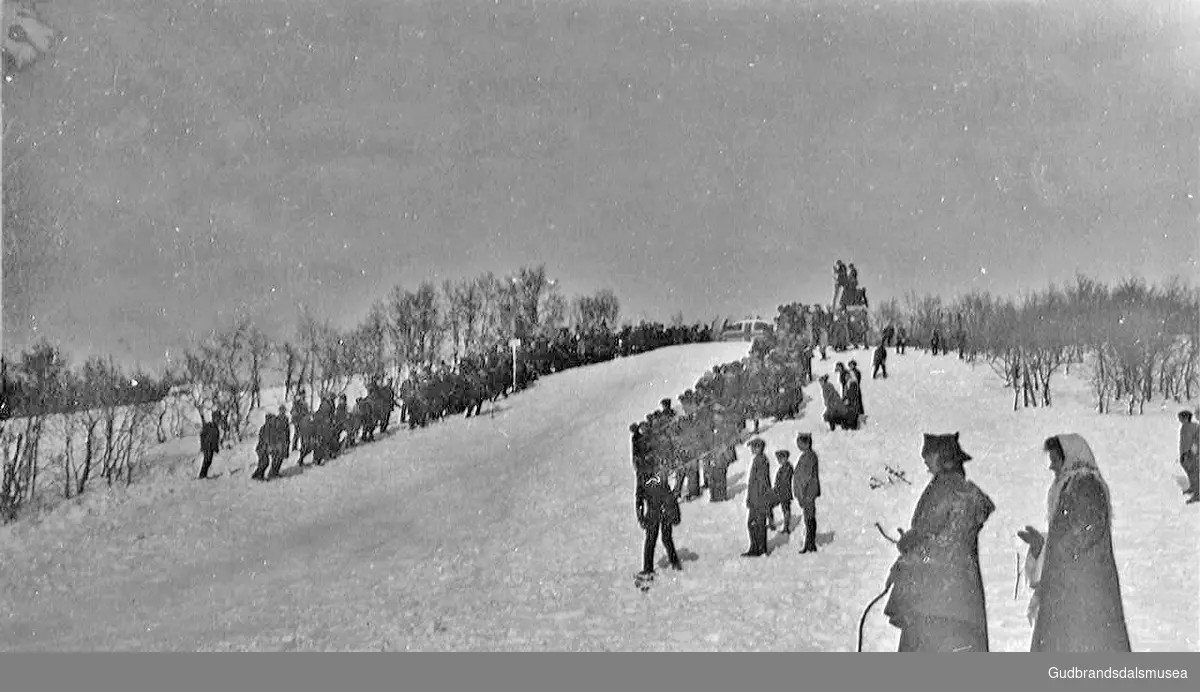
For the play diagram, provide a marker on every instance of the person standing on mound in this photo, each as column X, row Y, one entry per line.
column 1076, row 603
column 758, row 499
column 937, row 598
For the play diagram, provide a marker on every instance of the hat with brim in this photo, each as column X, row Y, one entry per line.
column 757, row 443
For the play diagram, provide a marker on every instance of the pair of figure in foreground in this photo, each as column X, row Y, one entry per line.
column 937, row 599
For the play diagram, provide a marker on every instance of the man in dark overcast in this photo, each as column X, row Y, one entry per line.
column 247, row 159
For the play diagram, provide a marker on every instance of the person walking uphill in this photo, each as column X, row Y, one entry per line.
column 806, row 487
column 210, row 443
column 1076, row 603
column 937, row 598
column 758, row 499
column 658, row 514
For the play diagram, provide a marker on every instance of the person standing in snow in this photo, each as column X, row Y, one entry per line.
column 937, row 599
column 880, row 362
column 853, row 391
column 637, row 445
column 299, row 416
column 658, row 514
column 1076, row 602
column 1189, row 454
column 836, row 411
column 901, row 340
column 806, row 488
column 783, row 490
column 280, row 442
column 263, row 448
column 821, row 323
column 843, row 376
column 341, row 424
column 720, row 461
column 758, row 499
column 210, row 443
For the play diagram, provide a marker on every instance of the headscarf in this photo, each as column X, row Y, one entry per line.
column 1078, row 461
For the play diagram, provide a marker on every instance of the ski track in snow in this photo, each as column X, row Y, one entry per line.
column 516, row 531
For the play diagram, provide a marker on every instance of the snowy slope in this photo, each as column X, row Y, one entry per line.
column 517, row 531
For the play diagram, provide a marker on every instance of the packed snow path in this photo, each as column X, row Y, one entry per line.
column 516, row 531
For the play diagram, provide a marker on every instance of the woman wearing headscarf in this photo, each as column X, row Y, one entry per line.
column 937, row 599
column 1076, row 602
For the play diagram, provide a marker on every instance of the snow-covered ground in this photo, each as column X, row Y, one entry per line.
column 516, row 531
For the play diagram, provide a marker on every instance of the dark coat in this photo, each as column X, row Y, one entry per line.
column 937, row 574
column 281, row 437
column 656, row 503
column 783, row 483
column 806, row 481
column 758, row 487
column 210, row 437
column 854, row 397
column 880, row 356
column 1078, row 592
column 263, row 447
column 718, row 470
column 1189, row 438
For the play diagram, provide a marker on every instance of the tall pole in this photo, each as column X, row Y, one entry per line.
column 514, row 350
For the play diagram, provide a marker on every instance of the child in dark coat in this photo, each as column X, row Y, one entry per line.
column 783, row 490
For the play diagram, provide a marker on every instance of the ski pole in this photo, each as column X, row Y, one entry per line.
column 863, row 620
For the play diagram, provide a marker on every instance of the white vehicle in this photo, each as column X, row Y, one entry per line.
column 747, row 330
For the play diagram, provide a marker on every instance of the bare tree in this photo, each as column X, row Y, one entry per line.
column 43, row 373
column 258, row 351
column 415, row 324
column 291, row 364
column 590, row 312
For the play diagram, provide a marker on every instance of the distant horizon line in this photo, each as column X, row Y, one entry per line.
column 13, row 353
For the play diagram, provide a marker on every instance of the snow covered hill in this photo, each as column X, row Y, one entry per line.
column 516, row 531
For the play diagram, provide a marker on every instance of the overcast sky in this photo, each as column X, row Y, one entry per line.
column 691, row 156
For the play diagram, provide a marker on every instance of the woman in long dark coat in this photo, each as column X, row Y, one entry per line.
column 937, row 598
column 1076, row 603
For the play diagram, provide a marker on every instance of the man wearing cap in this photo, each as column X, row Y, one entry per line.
column 758, row 499
column 783, row 490
column 806, row 487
